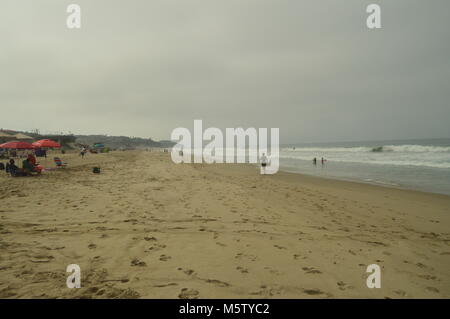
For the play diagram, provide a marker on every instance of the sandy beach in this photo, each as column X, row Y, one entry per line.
column 148, row 228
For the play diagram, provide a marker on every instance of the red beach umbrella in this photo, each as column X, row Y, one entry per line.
column 46, row 143
column 17, row 145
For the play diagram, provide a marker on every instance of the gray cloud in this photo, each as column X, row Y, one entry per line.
column 312, row 68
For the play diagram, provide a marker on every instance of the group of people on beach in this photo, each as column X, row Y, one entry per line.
column 29, row 167
column 322, row 161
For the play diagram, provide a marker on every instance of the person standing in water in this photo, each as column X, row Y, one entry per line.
column 315, row 161
column 323, row 161
column 264, row 162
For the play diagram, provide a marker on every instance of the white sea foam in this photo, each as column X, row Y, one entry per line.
column 385, row 148
column 402, row 155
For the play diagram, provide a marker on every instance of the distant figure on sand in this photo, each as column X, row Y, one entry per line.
column 323, row 161
column 264, row 162
column 83, row 151
column 315, row 161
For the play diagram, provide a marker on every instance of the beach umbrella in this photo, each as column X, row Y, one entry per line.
column 17, row 145
column 46, row 143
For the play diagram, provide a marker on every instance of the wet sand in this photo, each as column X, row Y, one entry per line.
column 148, row 228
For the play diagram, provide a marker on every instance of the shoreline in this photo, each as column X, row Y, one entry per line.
column 364, row 182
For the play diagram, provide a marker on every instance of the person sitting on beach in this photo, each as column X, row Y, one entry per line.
column 32, row 159
column 12, row 169
column 29, row 168
column 10, row 166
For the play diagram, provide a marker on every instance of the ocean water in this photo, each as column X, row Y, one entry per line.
column 414, row 164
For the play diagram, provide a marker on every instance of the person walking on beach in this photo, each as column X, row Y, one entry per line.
column 315, row 161
column 264, row 161
column 323, row 161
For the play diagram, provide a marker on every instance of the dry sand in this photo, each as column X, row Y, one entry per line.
column 148, row 228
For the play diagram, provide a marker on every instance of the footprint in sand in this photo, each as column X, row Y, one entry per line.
column 187, row 293
column 432, row 289
column 242, row 270
column 155, row 248
column 315, row 292
column 187, row 271
column 343, row 286
column 166, row 285
column 42, row 259
column 244, row 256
column 216, row 282
column 137, row 262
column 427, row 277
column 311, row 270
column 164, row 258
column 273, row 271
column 266, row 291
column 400, row 293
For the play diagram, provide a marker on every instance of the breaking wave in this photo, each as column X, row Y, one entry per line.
column 384, row 148
column 403, row 155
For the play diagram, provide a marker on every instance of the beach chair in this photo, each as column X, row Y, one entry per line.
column 59, row 163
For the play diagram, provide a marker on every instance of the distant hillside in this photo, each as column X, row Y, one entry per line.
column 121, row 142
column 114, row 142
column 67, row 141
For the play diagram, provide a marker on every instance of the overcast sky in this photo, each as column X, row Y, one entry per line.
column 311, row 68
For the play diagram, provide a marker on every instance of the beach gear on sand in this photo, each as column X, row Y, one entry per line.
column 96, row 170
column 58, row 162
